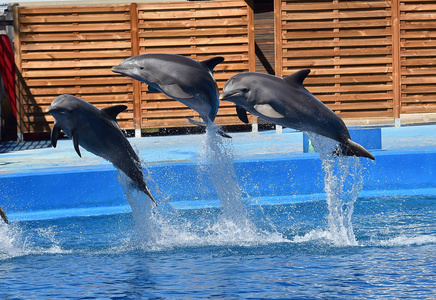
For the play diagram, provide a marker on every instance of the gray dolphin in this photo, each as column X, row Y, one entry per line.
column 98, row 132
column 286, row 102
column 181, row 78
column 4, row 216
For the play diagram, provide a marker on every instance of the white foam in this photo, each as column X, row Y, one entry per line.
column 404, row 240
column 16, row 242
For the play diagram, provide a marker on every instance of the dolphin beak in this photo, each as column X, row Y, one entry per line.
column 50, row 108
column 227, row 96
column 117, row 69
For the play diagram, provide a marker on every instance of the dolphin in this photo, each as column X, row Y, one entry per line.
column 98, row 132
column 286, row 102
column 3, row 215
column 181, row 78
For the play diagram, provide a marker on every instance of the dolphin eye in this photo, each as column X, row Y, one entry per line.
column 244, row 90
column 141, row 68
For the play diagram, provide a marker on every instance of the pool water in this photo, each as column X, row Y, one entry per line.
column 284, row 253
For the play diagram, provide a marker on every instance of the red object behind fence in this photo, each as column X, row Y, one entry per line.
column 7, row 66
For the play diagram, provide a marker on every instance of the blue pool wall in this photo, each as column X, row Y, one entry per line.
column 49, row 193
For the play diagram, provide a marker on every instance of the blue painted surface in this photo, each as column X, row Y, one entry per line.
column 270, row 168
column 369, row 138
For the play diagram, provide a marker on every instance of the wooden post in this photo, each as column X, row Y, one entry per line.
column 18, row 97
column 396, row 61
column 278, row 44
column 134, row 33
column 278, row 38
column 251, row 38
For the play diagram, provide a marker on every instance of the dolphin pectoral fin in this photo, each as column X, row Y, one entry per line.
column 354, row 149
column 152, row 89
column 297, row 78
column 112, row 112
column 54, row 136
column 212, row 62
column 4, row 216
column 75, row 138
column 268, row 111
column 175, row 91
column 242, row 114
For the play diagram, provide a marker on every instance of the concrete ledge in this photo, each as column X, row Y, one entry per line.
column 66, row 192
column 370, row 138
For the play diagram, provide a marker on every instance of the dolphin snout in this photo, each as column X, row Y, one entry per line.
column 225, row 96
column 117, row 69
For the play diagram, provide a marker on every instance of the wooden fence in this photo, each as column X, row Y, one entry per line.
column 71, row 49
column 369, row 59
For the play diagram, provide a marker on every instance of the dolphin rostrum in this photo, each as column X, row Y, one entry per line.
column 98, row 132
column 4, row 216
column 286, row 102
column 181, row 78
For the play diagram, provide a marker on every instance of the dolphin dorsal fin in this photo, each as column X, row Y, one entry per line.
column 212, row 62
column 297, row 78
column 112, row 112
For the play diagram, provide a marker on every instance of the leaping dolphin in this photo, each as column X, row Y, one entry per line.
column 286, row 102
column 181, row 78
column 4, row 216
column 98, row 132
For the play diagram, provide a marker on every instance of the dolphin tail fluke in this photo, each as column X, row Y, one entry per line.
column 3, row 215
column 354, row 149
column 148, row 193
column 203, row 124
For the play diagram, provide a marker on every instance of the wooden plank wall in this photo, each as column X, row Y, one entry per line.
column 418, row 56
column 71, row 49
column 199, row 30
column 348, row 47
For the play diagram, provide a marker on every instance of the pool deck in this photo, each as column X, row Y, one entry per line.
column 30, row 171
column 33, row 156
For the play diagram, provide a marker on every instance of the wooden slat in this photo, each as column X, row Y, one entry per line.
column 418, row 28
column 348, row 46
column 199, row 30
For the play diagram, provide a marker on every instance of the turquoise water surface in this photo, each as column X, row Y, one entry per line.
column 286, row 253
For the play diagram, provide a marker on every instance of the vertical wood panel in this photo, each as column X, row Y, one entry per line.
column 418, row 56
column 134, row 31
column 348, row 47
column 199, row 30
column 71, row 49
column 396, row 58
column 278, row 37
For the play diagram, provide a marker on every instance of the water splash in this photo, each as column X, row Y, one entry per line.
column 343, row 182
column 143, row 210
column 163, row 227
column 217, row 164
column 16, row 241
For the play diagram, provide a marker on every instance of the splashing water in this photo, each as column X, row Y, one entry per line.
column 217, row 163
column 143, row 211
column 16, row 241
column 343, row 182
